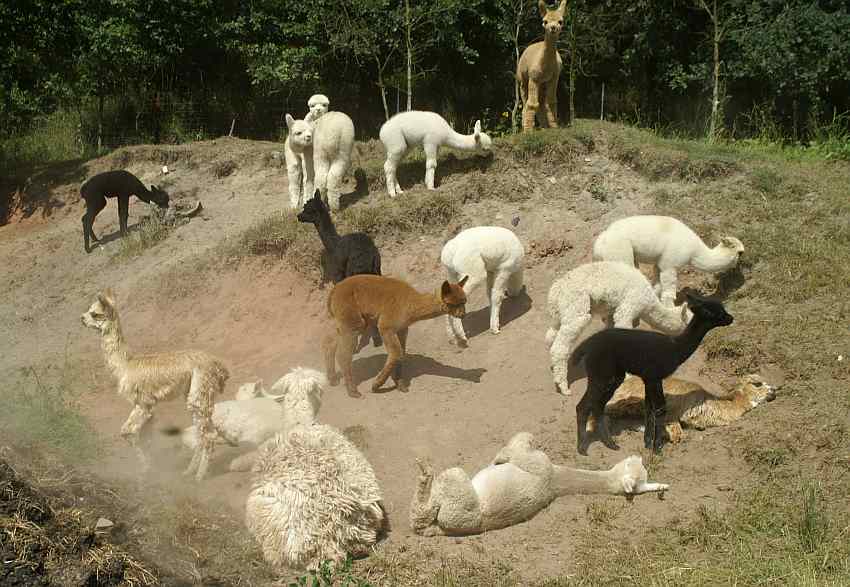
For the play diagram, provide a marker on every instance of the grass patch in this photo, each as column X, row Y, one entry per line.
column 549, row 146
column 151, row 230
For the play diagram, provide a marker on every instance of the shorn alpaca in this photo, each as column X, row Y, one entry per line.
column 323, row 148
column 539, row 68
column 314, row 499
column 621, row 294
column 610, row 354
column 487, row 254
column 519, row 483
column 690, row 405
column 409, row 129
column 115, row 184
column 145, row 380
column 394, row 305
column 666, row 243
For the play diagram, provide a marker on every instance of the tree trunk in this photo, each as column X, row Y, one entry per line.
column 714, row 124
column 572, row 65
column 99, row 123
column 408, row 26
column 517, row 97
column 383, row 90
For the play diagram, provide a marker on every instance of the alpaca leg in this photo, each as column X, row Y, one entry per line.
column 554, row 327
column 390, row 169
column 400, row 382
column 322, row 168
column 424, row 509
column 656, row 410
column 295, row 177
column 668, row 287
column 532, row 103
column 598, row 412
column 552, row 102
column 459, row 506
column 199, row 403
column 394, row 355
column 430, row 165
column 561, row 347
column 334, row 181
column 131, row 429
column 123, row 214
column 497, row 294
column 309, row 176
column 344, row 353
column 329, row 346
column 623, row 318
column 515, row 283
column 595, row 390
column 477, row 274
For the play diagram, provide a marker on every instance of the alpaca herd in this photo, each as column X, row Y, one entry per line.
column 314, row 496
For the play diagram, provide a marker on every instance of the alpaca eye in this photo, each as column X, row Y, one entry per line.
column 757, row 383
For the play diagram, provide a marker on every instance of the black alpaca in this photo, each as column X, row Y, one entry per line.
column 609, row 354
column 110, row 184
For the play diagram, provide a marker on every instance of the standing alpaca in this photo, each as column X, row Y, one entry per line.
column 145, row 380
column 666, row 243
column 429, row 129
column 610, row 354
column 360, row 300
column 519, row 483
column 620, row 293
column 318, row 105
column 539, row 68
column 490, row 254
column 111, row 184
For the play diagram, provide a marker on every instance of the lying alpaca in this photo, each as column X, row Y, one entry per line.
column 690, row 405
column 519, row 483
column 620, row 292
column 488, row 254
column 145, row 380
column 318, row 105
column 360, row 300
column 111, row 184
column 315, row 498
column 539, row 68
column 666, row 243
column 429, row 129
column 293, row 400
column 610, row 354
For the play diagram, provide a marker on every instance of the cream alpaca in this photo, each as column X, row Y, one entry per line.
column 144, row 380
column 690, row 405
column 429, row 129
column 360, row 300
column 539, row 68
column 620, row 293
column 315, row 498
column 519, row 483
column 490, row 254
column 666, row 243
column 318, row 105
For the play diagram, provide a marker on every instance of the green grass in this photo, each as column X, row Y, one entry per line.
column 151, row 230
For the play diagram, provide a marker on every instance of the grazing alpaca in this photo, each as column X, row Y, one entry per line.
column 111, row 184
column 490, row 254
column 539, row 68
column 621, row 293
column 666, row 243
column 318, row 105
column 145, row 380
column 315, row 498
column 519, row 483
column 361, row 300
column 690, row 405
column 610, row 354
column 429, row 129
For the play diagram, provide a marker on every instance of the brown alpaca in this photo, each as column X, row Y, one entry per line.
column 360, row 300
column 539, row 68
column 144, row 380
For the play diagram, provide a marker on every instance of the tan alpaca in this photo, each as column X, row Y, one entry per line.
column 360, row 300
column 144, row 380
column 689, row 404
column 539, row 68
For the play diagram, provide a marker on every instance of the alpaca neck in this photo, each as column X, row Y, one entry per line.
column 569, row 481
column 550, row 45
column 459, row 141
column 327, row 232
column 690, row 339
column 714, row 260
column 425, row 306
column 114, row 348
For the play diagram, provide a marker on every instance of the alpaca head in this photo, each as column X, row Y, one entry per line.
column 298, row 385
column 159, row 196
column 756, row 389
column 102, row 312
column 318, row 105
column 454, row 298
column 314, row 210
column 482, row 139
column 734, row 248
column 553, row 20
column 300, row 133
column 708, row 310
column 629, row 474
column 250, row 390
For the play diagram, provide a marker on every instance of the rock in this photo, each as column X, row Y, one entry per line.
column 103, row 524
column 515, row 220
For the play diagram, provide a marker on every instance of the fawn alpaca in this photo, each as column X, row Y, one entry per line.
column 539, row 68
column 362, row 300
column 609, row 354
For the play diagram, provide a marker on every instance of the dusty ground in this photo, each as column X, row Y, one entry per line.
column 261, row 318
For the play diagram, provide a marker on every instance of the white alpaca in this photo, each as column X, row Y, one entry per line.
column 429, row 129
column 519, row 483
column 318, row 105
column 619, row 293
column 490, row 254
column 666, row 243
column 318, row 153
column 295, row 399
column 314, row 498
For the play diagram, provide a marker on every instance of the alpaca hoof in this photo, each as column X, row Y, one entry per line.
column 495, row 330
column 354, row 393
column 333, row 380
column 403, row 387
column 611, row 444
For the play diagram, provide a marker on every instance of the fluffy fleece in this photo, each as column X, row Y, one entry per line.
column 318, row 105
column 487, row 254
column 666, row 243
column 519, row 482
column 620, row 293
column 314, row 498
column 429, row 129
column 539, row 68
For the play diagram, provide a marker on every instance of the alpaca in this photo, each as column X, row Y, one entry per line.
column 145, row 380
column 318, row 105
column 295, row 399
column 111, row 184
column 490, row 254
column 539, row 68
column 621, row 293
column 429, row 129
column 314, row 498
column 394, row 305
column 666, row 243
column 610, row 354
column 323, row 148
column 519, row 483
column 690, row 405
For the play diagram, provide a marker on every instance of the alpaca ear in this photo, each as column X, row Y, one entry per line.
column 289, row 121
column 317, row 195
column 445, row 290
column 463, row 281
column 541, row 6
column 562, row 7
column 476, row 132
column 107, row 300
